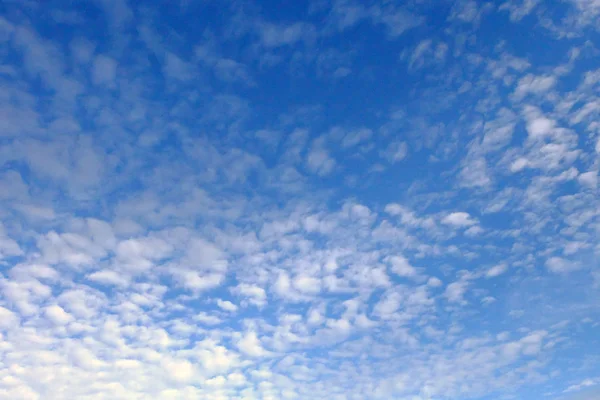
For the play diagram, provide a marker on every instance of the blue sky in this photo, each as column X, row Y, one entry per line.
column 319, row 200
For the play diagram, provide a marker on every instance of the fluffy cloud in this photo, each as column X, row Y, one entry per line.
column 104, row 70
column 496, row 270
column 561, row 265
column 459, row 219
column 318, row 159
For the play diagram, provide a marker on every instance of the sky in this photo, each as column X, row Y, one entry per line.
column 337, row 200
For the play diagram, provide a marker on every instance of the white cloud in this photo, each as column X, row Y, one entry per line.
column 319, row 161
column 534, row 84
column 250, row 345
column 138, row 255
column 395, row 152
column 475, row 173
column 518, row 9
column 197, row 281
column 180, row 371
column 583, row 384
column 85, row 358
column 388, row 305
column 227, row 305
column 273, row 35
column 401, row 267
column 57, row 315
column 474, row 231
column 104, row 70
column 8, row 319
column 82, row 50
column 108, row 277
column 589, row 179
column 518, row 165
column 283, row 287
column 356, row 137
column 427, row 53
column 176, row 68
column 207, row 319
column 459, row 219
column 434, row 282
column 540, row 127
column 496, row 270
column 203, row 254
column 8, row 246
column 252, row 294
column 307, row 284
column 167, row 232
column 456, row 291
column 396, row 20
column 560, row 265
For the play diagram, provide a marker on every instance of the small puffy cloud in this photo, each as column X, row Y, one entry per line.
column 356, row 137
column 250, row 345
column 396, row 20
column 179, row 370
column 455, row 291
column 226, row 305
column 8, row 247
column 518, row 9
column 363, row 322
column 236, row 379
column 538, row 126
column 561, row 265
column 589, row 179
column 474, row 231
column 251, row 294
column 176, row 68
column 82, row 50
column 496, row 270
column 282, row 284
column 8, row 319
column 395, row 152
column 358, row 212
column 203, row 254
column 459, row 220
column 40, row 271
column 104, row 70
column 475, row 172
column 197, row 281
column 108, row 277
column 277, row 35
column 138, row 255
column 434, row 282
column 519, row 164
column 402, row 267
column 582, row 385
column 387, row 305
column 85, row 358
column 318, row 160
column 207, row 319
column 307, row 284
column 427, row 53
column 57, row 315
column 531, row 84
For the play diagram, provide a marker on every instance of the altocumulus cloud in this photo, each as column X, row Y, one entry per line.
column 339, row 200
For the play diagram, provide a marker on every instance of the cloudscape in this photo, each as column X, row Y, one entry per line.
column 320, row 200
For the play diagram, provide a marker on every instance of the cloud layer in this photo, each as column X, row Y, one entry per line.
column 337, row 201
